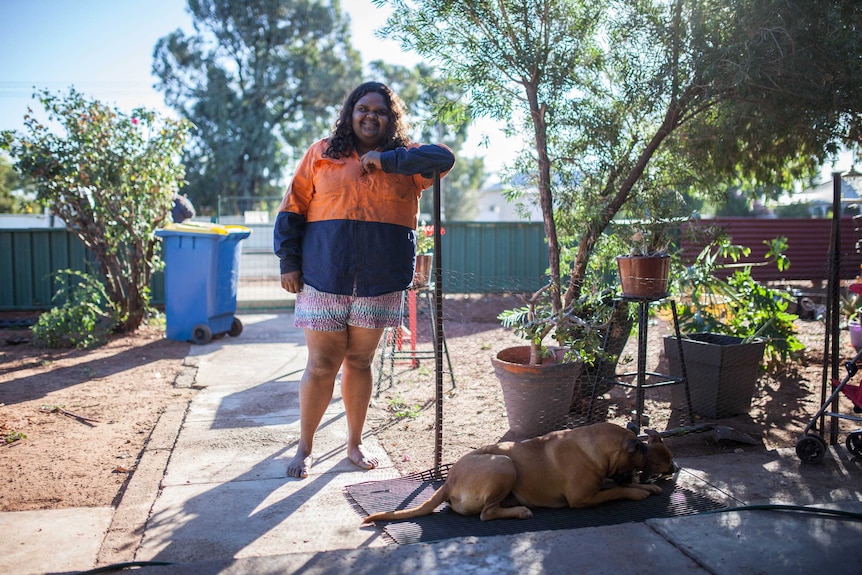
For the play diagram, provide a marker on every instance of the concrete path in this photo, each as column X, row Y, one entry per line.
column 210, row 497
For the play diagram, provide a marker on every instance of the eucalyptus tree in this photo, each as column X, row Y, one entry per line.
column 259, row 79
column 621, row 103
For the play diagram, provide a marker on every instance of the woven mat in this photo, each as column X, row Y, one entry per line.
column 409, row 491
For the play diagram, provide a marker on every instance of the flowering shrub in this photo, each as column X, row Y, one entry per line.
column 425, row 238
column 111, row 177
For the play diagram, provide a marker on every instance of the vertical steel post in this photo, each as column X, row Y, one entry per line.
column 438, row 322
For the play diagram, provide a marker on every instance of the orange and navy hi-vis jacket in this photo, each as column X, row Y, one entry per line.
column 352, row 232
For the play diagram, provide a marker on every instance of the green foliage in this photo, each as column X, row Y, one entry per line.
column 111, row 178
column 10, row 435
column 260, row 79
column 84, row 318
column 850, row 307
column 738, row 305
column 403, row 410
column 578, row 328
column 13, row 191
column 623, row 100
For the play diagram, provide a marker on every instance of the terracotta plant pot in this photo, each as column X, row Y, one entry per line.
column 537, row 397
column 644, row 277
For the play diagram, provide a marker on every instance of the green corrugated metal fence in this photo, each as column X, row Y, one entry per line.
column 31, row 257
column 493, row 257
column 477, row 258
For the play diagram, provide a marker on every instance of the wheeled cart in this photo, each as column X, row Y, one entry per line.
column 811, row 447
column 201, row 278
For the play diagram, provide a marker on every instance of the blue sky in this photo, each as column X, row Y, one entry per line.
column 104, row 48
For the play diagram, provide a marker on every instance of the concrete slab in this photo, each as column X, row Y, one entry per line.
column 762, row 541
column 630, row 548
column 779, row 476
column 204, row 454
column 261, row 517
column 130, row 518
column 67, row 540
column 255, row 401
column 227, row 364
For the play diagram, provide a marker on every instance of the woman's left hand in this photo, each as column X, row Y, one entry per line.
column 370, row 161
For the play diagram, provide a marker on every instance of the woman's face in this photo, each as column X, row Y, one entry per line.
column 370, row 121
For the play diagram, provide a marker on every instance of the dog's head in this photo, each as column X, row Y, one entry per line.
column 658, row 461
column 648, row 461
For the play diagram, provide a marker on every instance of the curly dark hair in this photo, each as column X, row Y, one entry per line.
column 341, row 142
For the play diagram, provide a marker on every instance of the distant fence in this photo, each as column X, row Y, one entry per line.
column 808, row 246
column 477, row 257
column 32, row 257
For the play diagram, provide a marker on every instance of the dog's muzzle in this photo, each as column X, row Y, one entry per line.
column 674, row 469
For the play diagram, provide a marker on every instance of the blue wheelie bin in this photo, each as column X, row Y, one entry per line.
column 201, row 277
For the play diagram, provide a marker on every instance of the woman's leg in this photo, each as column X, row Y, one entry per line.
column 356, row 387
column 326, row 351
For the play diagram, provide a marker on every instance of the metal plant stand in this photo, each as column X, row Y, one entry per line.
column 393, row 344
column 640, row 384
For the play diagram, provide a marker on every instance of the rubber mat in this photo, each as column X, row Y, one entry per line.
column 409, row 491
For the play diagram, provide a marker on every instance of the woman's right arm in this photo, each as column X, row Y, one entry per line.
column 289, row 225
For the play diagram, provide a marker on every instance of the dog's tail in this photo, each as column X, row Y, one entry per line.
column 426, row 508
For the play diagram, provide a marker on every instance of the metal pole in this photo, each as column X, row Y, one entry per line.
column 438, row 322
column 833, row 296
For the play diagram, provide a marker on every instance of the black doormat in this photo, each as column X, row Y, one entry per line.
column 411, row 490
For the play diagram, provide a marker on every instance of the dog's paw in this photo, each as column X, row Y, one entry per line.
column 652, row 489
column 525, row 514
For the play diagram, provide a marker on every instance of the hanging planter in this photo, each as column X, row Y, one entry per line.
column 644, row 277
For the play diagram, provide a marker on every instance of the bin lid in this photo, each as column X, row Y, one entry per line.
column 188, row 227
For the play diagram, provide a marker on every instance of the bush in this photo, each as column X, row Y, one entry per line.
column 85, row 318
column 739, row 305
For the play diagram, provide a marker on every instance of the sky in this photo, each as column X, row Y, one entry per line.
column 104, row 48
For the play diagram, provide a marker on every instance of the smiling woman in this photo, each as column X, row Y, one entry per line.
column 370, row 122
column 354, row 197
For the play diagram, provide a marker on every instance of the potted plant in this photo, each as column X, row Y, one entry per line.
column 731, row 323
column 645, row 270
column 539, row 380
column 851, row 305
column 654, row 217
column 424, row 253
column 596, row 325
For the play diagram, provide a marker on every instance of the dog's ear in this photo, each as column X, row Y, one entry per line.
column 634, row 446
column 654, row 436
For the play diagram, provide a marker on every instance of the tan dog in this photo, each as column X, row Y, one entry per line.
column 561, row 469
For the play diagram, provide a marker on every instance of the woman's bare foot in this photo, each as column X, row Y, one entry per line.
column 299, row 465
column 361, row 459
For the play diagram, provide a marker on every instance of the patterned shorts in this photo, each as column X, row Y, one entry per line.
column 321, row 311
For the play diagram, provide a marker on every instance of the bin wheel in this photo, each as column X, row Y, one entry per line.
column 235, row 328
column 854, row 443
column 202, row 334
column 811, row 448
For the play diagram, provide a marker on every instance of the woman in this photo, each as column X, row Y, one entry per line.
column 345, row 235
